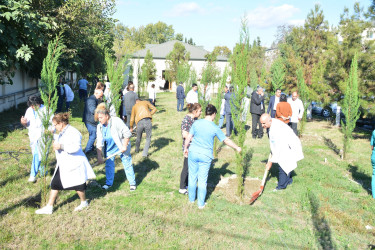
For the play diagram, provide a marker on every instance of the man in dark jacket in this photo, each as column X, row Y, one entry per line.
column 256, row 110
column 228, row 108
column 129, row 101
column 61, row 94
column 89, row 117
column 180, row 95
column 274, row 100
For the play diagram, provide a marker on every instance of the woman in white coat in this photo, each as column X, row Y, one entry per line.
column 72, row 168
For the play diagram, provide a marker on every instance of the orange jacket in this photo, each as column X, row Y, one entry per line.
column 141, row 110
column 283, row 109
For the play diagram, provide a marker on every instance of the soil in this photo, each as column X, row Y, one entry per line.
column 228, row 187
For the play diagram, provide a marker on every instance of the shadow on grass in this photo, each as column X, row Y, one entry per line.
column 329, row 143
column 13, row 178
column 322, row 229
column 32, row 201
column 160, row 143
column 214, row 176
column 143, row 168
column 361, row 178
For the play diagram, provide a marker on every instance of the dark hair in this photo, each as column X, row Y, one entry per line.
column 283, row 98
column 211, row 109
column 152, row 85
column 61, row 118
column 100, row 85
column 277, row 90
column 231, row 88
column 34, row 101
column 194, row 85
column 130, row 82
column 194, row 107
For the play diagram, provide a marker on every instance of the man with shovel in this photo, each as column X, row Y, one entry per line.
column 286, row 149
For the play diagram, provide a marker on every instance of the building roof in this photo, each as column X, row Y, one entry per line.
column 160, row 51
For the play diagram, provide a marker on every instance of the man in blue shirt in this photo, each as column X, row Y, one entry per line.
column 82, row 83
column 180, row 95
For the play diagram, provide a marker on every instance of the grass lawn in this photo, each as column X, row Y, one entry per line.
column 324, row 208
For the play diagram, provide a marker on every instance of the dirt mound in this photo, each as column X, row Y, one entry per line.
column 228, row 187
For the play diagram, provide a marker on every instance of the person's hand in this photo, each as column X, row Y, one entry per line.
column 100, row 160
column 238, row 149
column 131, row 130
column 23, row 120
column 186, row 152
column 268, row 165
column 56, row 146
column 123, row 149
column 299, row 119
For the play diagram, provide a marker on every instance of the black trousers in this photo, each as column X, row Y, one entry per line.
column 256, row 122
column 284, row 179
column 294, row 125
column 184, row 174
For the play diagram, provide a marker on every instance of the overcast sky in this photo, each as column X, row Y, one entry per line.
column 217, row 22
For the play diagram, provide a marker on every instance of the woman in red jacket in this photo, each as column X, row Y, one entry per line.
column 283, row 110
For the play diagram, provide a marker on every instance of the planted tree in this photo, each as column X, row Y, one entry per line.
column 192, row 79
column 183, row 72
column 148, row 70
column 350, row 105
column 174, row 59
column 115, row 72
column 304, row 96
column 278, row 74
column 47, row 89
column 240, row 78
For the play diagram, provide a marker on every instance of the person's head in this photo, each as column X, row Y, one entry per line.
column 265, row 120
column 294, row 95
column 34, row 101
column 283, row 98
column 100, row 85
column 153, row 86
column 211, row 110
column 259, row 90
column 61, row 79
column 278, row 92
column 137, row 100
column 231, row 89
column 181, row 83
column 194, row 87
column 60, row 120
column 226, row 89
column 102, row 114
column 98, row 93
column 131, row 87
column 195, row 109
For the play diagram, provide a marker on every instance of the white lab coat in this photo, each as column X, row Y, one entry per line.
column 74, row 167
column 285, row 146
column 192, row 97
column 297, row 109
column 69, row 93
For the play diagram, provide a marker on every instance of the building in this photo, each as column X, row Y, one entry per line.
column 160, row 52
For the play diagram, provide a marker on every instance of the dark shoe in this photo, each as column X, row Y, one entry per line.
column 254, row 137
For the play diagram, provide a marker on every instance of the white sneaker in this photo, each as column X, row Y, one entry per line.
column 32, row 179
column 201, row 207
column 45, row 210
column 81, row 206
column 105, row 187
column 133, row 187
column 183, row 191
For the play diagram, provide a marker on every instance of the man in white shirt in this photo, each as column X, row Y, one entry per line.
column 69, row 96
column 286, row 149
column 297, row 111
column 192, row 95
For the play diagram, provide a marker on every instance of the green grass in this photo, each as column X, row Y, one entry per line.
column 322, row 209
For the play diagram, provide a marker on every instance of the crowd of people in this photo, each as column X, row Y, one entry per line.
column 112, row 134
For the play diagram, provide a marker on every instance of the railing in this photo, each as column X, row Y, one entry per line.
column 14, row 95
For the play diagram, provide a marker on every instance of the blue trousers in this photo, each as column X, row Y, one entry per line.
column 92, row 136
column 199, row 165
column 180, row 104
column 373, row 174
column 229, row 125
column 35, row 165
column 221, row 121
column 128, row 167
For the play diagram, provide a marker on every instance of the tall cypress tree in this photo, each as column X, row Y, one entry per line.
column 278, row 74
column 304, row 96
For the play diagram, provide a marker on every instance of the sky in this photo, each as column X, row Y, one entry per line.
column 217, row 22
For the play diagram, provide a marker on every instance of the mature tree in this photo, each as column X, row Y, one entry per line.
column 278, row 74
column 148, row 70
column 304, row 97
column 222, row 51
column 179, row 37
column 176, row 57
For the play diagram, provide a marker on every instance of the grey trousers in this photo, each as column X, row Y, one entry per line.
column 143, row 125
column 294, row 125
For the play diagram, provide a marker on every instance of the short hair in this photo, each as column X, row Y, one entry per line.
column 194, row 85
column 34, row 100
column 131, row 87
column 211, row 109
column 61, row 118
column 152, row 85
column 130, row 82
column 277, row 90
column 283, row 98
column 194, row 107
column 231, row 88
column 259, row 88
column 100, row 85
column 101, row 109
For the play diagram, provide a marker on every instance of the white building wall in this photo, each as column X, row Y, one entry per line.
column 22, row 87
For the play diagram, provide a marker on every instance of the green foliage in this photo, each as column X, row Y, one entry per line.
column 222, row 51
column 174, row 59
column 304, row 96
column 183, row 72
column 278, row 74
column 253, row 78
column 192, row 79
column 148, row 67
column 47, row 89
column 240, row 78
column 351, row 105
column 115, row 72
